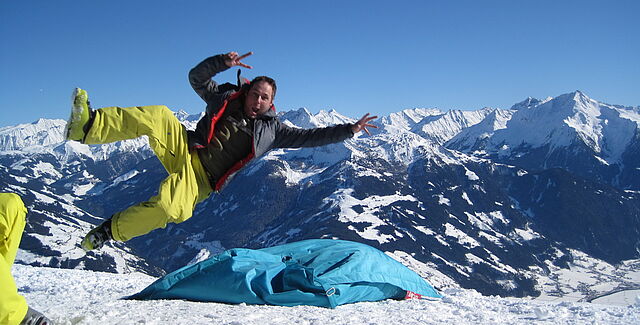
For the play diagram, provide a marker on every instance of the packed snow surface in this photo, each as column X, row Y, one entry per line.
column 70, row 296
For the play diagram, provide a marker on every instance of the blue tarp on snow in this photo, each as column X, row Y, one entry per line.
column 317, row 272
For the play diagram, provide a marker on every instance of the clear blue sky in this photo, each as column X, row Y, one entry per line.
column 352, row 56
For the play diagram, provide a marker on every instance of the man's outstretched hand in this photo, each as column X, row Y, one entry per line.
column 363, row 124
column 232, row 59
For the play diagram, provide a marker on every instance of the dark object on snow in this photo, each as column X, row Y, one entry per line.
column 34, row 317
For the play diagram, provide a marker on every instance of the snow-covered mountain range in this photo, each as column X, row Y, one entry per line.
column 574, row 132
column 542, row 199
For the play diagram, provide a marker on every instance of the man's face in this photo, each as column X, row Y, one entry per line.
column 258, row 99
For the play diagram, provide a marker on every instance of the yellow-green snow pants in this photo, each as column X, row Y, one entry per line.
column 13, row 307
column 187, row 183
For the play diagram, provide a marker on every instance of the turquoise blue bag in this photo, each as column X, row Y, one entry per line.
column 316, row 272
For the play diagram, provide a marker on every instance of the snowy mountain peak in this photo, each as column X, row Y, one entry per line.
column 574, row 110
column 408, row 118
column 39, row 133
column 441, row 128
column 575, row 101
column 528, row 103
column 300, row 117
column 475, row 135
column 561, row 122
column 331, row 117
column 188, row 120
column 183, row 116
column 579, row 95
column 304, row 119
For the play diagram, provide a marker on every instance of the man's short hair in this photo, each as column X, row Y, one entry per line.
column 266, row 79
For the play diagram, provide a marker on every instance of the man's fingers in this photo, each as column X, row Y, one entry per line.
column 232, row 59
column 244, row 55
column 366, row 118
column 363, row 123
column 368, row 126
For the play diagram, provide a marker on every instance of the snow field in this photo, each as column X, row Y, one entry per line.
column 85, row 297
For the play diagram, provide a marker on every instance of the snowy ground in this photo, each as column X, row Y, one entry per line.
column 86, row 297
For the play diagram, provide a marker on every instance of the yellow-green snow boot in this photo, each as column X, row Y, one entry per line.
column 80, row 115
